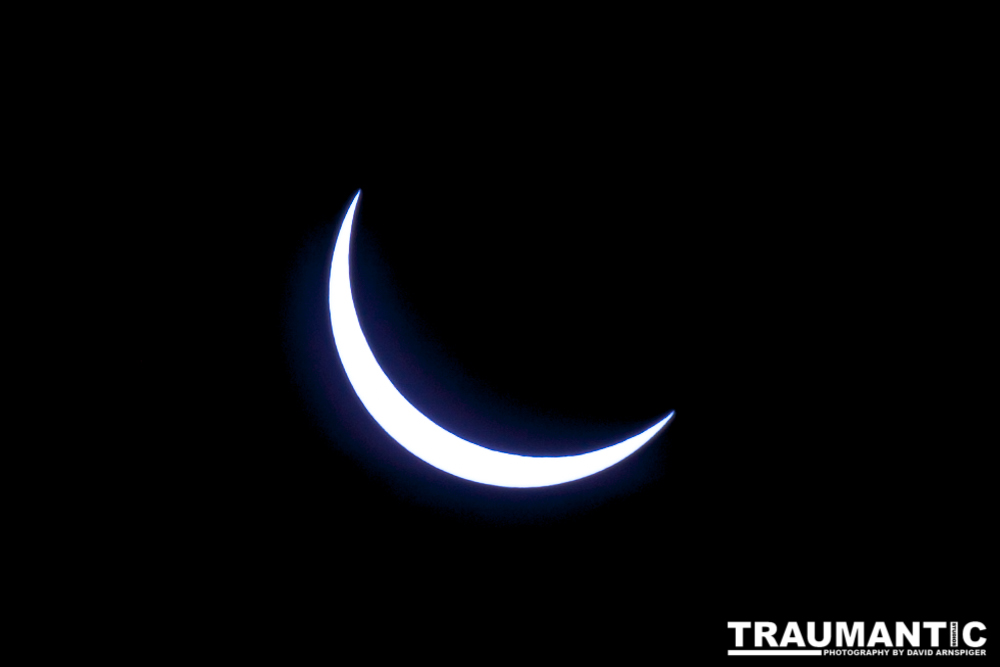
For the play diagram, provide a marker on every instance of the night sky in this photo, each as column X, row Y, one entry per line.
column 542, row 288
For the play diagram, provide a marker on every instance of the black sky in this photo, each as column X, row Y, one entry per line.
column 550, row 287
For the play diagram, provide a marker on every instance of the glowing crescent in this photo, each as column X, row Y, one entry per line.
column 422, row 437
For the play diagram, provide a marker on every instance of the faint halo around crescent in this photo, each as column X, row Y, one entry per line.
column 422, row 437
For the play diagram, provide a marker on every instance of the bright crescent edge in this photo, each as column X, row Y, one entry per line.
column 422, row 437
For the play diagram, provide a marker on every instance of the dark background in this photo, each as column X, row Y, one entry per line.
column 548, row 282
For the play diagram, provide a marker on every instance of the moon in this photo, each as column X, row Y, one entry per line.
column 422, row 437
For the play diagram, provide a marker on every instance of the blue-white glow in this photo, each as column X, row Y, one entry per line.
column 422, row 437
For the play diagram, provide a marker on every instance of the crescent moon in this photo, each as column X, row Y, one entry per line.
column 422, row 437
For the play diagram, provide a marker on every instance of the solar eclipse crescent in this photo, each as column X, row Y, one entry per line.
column 422, row 437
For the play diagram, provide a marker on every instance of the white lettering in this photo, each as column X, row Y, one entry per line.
column 857, row 634
column 827, row 635
column 880, row 636
column 761, row 634
column 912, row 636
column 967, row 634
column 792, row 634
column 935, row 629
column 739, row 626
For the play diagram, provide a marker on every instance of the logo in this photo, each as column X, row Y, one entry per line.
column 840, row 638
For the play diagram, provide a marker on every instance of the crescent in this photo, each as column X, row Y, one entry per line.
column 422, row 437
